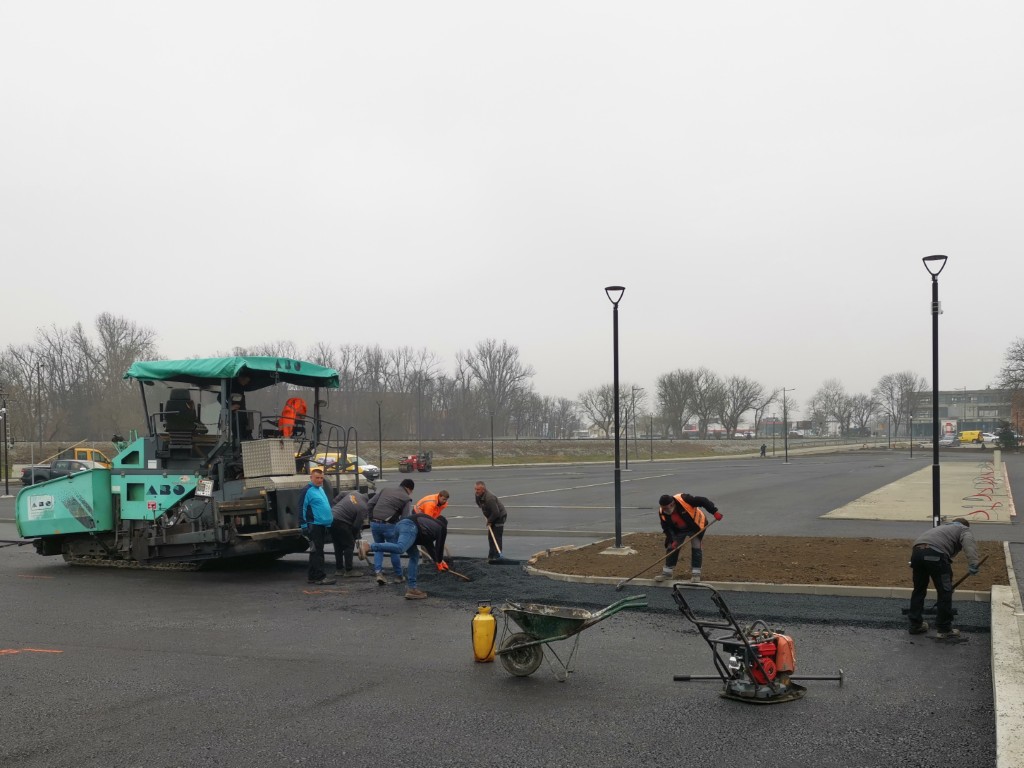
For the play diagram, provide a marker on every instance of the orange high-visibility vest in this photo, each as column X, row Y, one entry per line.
column 294, row 408
column 431, row 505
column 696, row 514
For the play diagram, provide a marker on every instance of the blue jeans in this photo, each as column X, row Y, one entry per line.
column 406, row 532
column 385, row 532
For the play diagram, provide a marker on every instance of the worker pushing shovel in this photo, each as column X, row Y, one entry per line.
column 494, row 517
column 931, row 560
column 684, row 520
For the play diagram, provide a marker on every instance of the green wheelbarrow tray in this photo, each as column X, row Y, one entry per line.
column 521, row 652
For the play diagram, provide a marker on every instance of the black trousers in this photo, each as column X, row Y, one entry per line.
column 930, row 565
column 317, row 538
column 344, row 540
column 493, row 552
column 696, row 549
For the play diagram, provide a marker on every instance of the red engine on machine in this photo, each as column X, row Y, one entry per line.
column 776, row 654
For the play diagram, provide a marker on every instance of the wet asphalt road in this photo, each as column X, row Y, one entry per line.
column 245, row 667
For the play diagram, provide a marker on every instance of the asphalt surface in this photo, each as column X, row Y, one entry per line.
column 251, row 667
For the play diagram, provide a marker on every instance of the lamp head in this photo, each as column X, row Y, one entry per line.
column 614, row 293
column 934, row 264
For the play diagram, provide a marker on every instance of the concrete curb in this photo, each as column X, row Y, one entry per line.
column 833, row 590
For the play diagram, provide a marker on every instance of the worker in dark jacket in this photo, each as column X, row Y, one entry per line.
column 349, row 510
column 931, row 560
column 684, row 516
column 412, row 531
column 495, row 516
column 385, row 510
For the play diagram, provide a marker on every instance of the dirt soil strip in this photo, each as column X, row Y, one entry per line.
column 777, row 560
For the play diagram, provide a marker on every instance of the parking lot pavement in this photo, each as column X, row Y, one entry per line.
column 255, row 667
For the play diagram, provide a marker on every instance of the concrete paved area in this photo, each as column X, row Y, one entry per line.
column 976, row 490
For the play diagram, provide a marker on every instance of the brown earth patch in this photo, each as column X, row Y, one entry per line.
column 776, row 560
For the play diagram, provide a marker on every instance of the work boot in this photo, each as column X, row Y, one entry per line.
column 695, row 577
column 381, row 581
column 397, row 579
column 663, row 576
column 325, row 581
column 919, row 629
column 415, row 594
column 353, row 573
column 946, row 634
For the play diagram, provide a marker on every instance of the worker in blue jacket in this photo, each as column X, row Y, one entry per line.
column 315, row 519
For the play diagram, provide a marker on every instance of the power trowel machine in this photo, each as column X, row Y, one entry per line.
column 755, row 663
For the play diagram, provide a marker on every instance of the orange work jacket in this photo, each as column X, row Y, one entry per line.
column 679, row 519
column 431, row 505
column 294, row 408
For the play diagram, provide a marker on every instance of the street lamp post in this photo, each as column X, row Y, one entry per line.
column 785, row 423
column 419, row 414
column 39, row 404
column 614, row 293
column 492, row 437
column 380, row 439
column 911, row 430
column 6, row 448
column 650, row 435
column 775, row 428
column 935, row 265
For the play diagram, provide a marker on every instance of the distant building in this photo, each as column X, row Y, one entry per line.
column 982, row 409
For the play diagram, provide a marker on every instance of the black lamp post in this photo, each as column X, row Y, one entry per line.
column 775, row 428
column 6, row 448
column 911, row 431
column 492, row 437
column 614, row 293
column 935, row 265
column 39, row 403
column 380, row 439
column 785, row 423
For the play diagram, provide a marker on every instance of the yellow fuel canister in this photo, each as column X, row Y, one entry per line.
column 485, row 631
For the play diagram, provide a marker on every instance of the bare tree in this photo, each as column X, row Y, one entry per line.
column 598, row 407
column 707, row 397
column 1011, row 376
column 564, row 419
column 499, row 372
column 760, row 407
column 864, row 411
column 833, row 400
column 740, row 395
column 897, row 393
column 675, row 396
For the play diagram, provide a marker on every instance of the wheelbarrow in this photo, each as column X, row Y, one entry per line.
column 521, row 652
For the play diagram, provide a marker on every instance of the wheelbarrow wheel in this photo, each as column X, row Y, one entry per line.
column 521, row 662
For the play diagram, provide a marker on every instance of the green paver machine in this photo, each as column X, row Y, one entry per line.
column 211, row 479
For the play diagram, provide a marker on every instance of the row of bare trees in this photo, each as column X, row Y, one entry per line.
column 68, row 384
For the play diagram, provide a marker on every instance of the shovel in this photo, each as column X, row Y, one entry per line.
column 956, row 584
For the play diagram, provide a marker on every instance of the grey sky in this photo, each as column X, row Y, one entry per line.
column 764, row 178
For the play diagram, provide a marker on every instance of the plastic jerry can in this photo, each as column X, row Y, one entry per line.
column 485, row 632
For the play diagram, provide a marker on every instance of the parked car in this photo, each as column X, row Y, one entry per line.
column 989, row 438
column 949, row 441
column 330, row 460
column 60, row 468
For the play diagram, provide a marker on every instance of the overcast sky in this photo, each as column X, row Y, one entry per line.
column 764, row 178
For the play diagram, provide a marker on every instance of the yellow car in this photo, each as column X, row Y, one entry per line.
column 330, row 463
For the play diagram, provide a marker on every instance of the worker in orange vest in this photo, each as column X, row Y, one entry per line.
column 433, row 505
column 294, row 409
column 683, row 516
